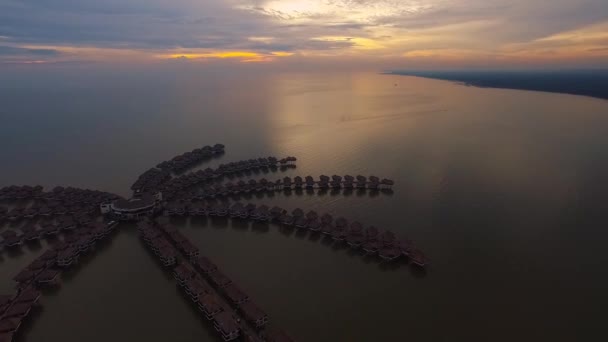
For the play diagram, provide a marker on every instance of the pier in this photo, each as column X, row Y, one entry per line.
column 370, row 240
column 231, row 311
column 287, row 184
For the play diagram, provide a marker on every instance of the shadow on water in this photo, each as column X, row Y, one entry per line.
column 417, row 272
column 14, row 252
column 300, row 234
column 339, row 246
column 388, row 192
column 199, row 221
column 260, row 227
column 219, row 222
column 177, row 220
column 286, row 230
column 240, row 225
column 314, row 236
column 287, row 167
column 327, row 240
column 389, row 265
column 33, row 246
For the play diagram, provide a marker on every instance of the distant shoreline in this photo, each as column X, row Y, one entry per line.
column 591, row 83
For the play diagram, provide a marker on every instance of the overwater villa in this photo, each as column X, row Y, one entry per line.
column 297, row 213
column 28, row 296
column 406, row 246
column 67, row 257
column 314, row 224
column 196, row 288
column 209, row 305
column 234, row 294
column 389, row 253
column 47, row 277
column 301, row 222
column 218, row 279
column 371, row 246
column 388, row 238
column 372, row 233
column 418, row 258
column 310, row 182
column 286, row 219
column 355, row 235
column 326, row 219
column 24, row 277
column 183, row 272
column 226, row 325
column 298, row 182
column 8, row 326
column 287, row 183
column 276, row 212
column 253, row 314
column 386, row 183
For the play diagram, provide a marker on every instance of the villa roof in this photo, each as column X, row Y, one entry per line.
column 205, row 264
column 23, row 276
column 18, row 310
column 210, row 303
column 28, row 296
column 226, row 322
column 235, row 294
column 9, row 325
column 5, row 299
column 252, row 312
column 219, row 279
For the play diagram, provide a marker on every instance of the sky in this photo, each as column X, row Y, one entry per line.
column 381, row 34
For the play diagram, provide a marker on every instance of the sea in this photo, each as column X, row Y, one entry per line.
column 506, row 191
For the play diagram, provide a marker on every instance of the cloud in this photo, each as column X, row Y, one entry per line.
column 17, row 51
column 376, row 30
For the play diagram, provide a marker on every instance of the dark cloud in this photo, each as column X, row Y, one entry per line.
column 17, row 51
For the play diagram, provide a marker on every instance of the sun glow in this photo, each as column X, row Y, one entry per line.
column 242, row 56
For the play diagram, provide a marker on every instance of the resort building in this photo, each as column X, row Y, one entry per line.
column 133, row 209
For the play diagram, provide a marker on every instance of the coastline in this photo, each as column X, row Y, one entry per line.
column 500, row 80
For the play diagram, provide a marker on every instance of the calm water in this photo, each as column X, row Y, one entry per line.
column 505, row 190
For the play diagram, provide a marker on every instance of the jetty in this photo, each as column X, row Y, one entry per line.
column 370, row 240
column 222, row 302
column 286, row 184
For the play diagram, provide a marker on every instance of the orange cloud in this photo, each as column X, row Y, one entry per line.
column 242, row 56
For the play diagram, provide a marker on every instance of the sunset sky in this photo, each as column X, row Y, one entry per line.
column 378, row 33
